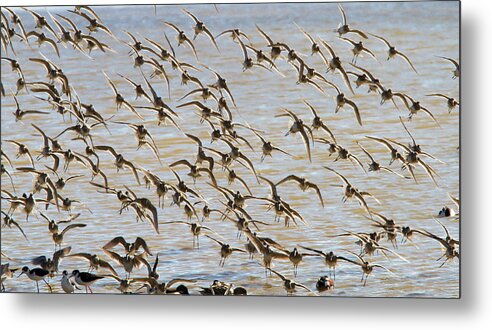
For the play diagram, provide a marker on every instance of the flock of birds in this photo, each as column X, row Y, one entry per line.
column 216, row 108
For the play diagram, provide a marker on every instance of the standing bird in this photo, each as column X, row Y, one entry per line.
column 324, row 283
column 36, row 274
column 85, row 279
column 67, row 284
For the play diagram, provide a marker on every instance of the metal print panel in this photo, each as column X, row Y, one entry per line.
column 307, row 149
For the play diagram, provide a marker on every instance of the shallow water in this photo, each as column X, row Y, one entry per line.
column 422, row 30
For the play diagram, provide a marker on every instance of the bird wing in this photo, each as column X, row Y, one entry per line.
column 338, row 174
column 60, row 254
column 19, row 227
column 305, row 138
column 353, row 43
column 181, row 162
column 264, row 35
column 273, row 188
column 154, row 221
column 114, row 256
column 359, row 32
column 178, row 280
column 313, row 110
column 356, row 110
column 53, row 44
column 278, row 274
column 192, row 48
column 291, row 177
column 304, row 287
column 106, row 148
column 133, row 168
column 305, row 33
column 430, row 115
column 211, row 37
column 140, row 242
column 81, row 255
column 318, row 192
column 115, row 241
column 366, row 152
column 328, row 47
column 382, row 141
column 72, row 226
column 450, row 60
column 38, row 260
column 216, row 240
column 111, row 84
column 405, row 57
column 45, row 137
column 346, row 78
column 353, row 157
column 313, row 250
column 382, row 39
column 344, row 16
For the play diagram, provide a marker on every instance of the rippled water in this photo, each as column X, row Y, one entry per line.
column 422, row 30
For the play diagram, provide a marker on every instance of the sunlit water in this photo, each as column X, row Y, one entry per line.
column 422, row 30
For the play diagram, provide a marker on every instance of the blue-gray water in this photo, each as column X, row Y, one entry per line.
column 422, row 30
